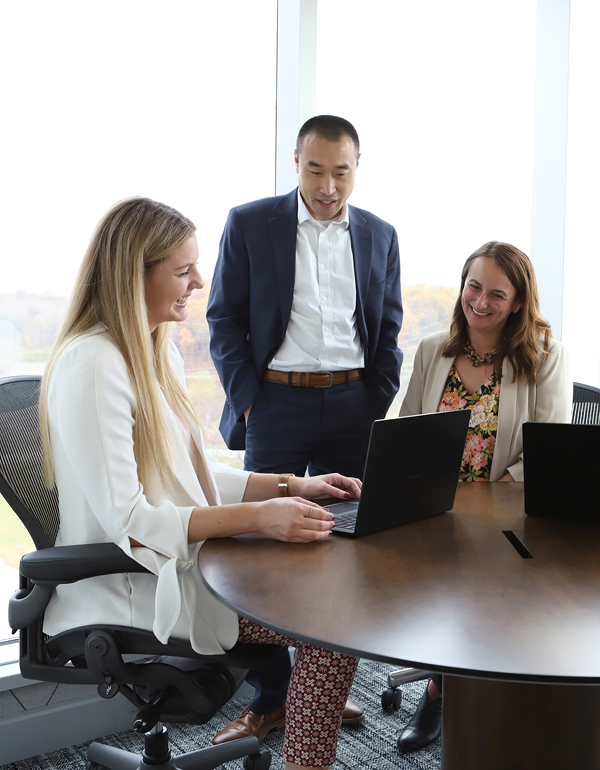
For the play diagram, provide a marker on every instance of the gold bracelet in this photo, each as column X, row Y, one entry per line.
column 282, row 486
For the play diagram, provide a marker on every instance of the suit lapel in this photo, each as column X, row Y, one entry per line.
column 283, row 227
column 362, row 250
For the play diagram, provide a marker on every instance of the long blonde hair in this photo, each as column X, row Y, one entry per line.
column 521, row 335
column 132, row 238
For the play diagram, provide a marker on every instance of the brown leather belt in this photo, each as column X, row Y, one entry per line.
column 313, row 379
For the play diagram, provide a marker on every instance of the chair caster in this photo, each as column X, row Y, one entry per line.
column 260, row 761
column 93, row 766
column 391, row 699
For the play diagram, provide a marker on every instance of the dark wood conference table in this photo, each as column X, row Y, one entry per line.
column 517, row 632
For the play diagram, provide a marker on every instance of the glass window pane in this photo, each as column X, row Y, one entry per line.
column 14, row 542
column 582, row 252
column 101, row 101
column 442, row 95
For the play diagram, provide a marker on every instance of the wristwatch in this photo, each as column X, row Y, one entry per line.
column 282, row 485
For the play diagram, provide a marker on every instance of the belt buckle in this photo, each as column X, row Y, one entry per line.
column 330, row 375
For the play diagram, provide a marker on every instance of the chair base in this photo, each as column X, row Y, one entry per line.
column 102, row 757
column 391, row 699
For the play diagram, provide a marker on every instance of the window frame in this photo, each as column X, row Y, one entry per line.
column 295, row 100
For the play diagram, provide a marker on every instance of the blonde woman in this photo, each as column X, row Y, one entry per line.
column 498, row 360
column 124, row 446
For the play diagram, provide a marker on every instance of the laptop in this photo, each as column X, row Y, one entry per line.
column 411, row 472
column 560, row 467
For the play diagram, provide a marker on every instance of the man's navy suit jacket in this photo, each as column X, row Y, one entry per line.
column 251, row 299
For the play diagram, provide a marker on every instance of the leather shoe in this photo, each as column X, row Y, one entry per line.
column 250, row 724
column 258, row 725
column 353, row 714
column 424, row 727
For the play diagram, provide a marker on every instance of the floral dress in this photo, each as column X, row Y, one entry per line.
column 483, row 425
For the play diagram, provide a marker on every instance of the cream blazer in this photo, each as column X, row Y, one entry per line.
column 548, row 401
column 92, row 412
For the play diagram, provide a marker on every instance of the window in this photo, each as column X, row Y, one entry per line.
column 178, row 102
column 102, row 101
column 442, row 95
column 582, row 253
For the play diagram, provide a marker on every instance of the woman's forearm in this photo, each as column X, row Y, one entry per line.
column 285, row 518
column 236, row 519
column 295, row 517
column 222, row 521
column 265, row 486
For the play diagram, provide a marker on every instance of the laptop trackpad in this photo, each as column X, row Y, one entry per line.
column 337, row 508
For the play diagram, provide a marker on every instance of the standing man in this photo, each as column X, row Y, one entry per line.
column 304, row 315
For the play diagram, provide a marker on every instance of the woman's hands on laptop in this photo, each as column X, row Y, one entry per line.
column 325, row 487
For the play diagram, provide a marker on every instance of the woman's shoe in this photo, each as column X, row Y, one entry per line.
column 424, row 727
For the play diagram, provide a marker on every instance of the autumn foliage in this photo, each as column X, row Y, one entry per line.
column 28, row 323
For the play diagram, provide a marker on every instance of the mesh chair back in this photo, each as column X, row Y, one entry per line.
column 21, row 480
column 586, row 404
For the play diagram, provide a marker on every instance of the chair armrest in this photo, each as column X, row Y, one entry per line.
column 50, row 567
column 70, row 563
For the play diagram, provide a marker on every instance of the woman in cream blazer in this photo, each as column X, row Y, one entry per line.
column 500, row 360
column 92, row 408
column 124, row 447
column 549, row 400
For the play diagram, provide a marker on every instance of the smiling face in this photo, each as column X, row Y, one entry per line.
column 326, row 173
column 169, row 284
column 488, row 298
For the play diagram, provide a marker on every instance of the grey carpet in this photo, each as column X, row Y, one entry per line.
column 372, row 744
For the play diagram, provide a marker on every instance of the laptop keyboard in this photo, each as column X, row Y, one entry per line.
column 346, row 520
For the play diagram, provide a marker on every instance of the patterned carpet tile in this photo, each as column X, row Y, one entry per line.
column 370, row 745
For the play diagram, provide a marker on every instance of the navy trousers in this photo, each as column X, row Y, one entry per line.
column 295, row 430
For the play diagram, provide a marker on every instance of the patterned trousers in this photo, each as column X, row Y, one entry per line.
column 317, row 694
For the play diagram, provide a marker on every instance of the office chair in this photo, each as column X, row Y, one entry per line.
column 170, row 683
column 586, row 405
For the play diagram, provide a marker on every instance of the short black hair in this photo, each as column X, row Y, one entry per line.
column 328, row 127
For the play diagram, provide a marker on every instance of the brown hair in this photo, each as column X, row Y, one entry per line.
column 520, row 342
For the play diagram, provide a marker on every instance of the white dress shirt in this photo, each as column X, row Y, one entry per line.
column 322, row 334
